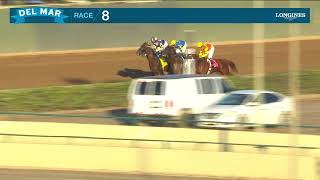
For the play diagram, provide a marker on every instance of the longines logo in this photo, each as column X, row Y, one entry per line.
column 290, row 16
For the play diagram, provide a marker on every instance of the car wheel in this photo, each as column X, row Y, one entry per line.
column 243, row 120
column 186, row 118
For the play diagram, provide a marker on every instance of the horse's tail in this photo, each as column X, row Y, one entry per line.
column 233, row 67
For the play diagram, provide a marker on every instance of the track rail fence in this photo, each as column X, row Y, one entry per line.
column 166, row 144
column 223, row 140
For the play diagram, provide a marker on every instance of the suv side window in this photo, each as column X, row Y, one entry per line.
column 206, row 86
column 150, row 88
column 271, row 98
column 141, row 88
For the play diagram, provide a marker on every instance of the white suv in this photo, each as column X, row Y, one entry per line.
column 175, row 95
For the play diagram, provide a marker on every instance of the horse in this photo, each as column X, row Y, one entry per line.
column 175, row 61
column 224, row 66
column 155, row 63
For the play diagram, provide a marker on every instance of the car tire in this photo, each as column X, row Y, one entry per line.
column 242, row 120
column 185, row 118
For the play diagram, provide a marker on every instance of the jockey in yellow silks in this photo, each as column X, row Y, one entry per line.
column 206, row 50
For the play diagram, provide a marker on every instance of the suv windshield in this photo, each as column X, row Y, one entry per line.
column 233, row 99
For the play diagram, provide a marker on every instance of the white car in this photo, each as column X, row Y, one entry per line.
column 175, row 95
column 246, row 108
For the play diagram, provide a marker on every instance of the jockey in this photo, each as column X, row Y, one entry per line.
column 159, row 45
column 207, row 50
column 180, row 45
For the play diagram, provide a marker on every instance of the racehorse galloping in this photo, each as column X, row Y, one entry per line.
column 175, row 60
column 154, row 62
column 224, row 66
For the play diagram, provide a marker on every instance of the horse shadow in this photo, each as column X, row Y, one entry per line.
column 134, row 73
column 77, row 81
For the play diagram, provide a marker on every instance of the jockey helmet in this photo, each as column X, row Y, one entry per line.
column 154, row 39
column 200, row 44
column 173, row 42
column 180, row 43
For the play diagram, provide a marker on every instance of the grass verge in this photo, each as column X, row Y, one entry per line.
column 114, row 94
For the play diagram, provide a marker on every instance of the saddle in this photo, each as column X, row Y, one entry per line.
column 212, row 63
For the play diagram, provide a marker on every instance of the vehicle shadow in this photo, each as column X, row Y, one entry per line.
column 133, row 73
column 123, row 118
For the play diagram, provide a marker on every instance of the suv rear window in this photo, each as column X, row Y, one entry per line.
column 150, row 88
column 206, row 86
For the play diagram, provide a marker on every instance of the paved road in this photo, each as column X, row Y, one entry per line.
column 309, row 108
column 7, row 174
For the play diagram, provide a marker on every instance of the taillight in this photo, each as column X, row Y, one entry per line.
column 171, row 103
column 168, row 104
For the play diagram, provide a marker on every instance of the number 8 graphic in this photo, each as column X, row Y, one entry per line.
column 105, row 15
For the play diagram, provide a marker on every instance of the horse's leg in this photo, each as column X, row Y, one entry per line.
column 155, row 66
column 203, row 68
column 160, row 69
column 173, row 67
column 177, row 66
column 167, row 69
column 153, row 70
column 197, row 70
column 180, row 67
column 197, row 66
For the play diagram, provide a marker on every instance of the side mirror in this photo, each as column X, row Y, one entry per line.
column 252, row 104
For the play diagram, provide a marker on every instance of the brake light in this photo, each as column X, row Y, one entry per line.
column 168, row 104
column 171, row 103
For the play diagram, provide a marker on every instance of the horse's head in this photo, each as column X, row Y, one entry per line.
column 169, row 51
column 144, row 49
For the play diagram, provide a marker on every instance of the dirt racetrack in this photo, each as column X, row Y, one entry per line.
column 26, row 71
